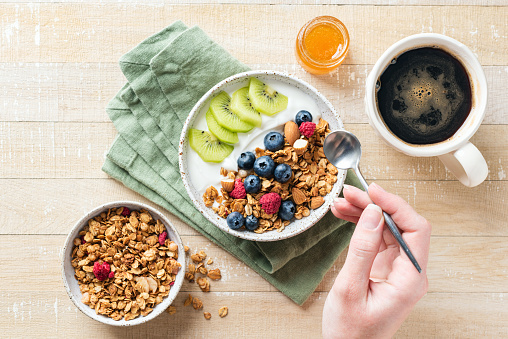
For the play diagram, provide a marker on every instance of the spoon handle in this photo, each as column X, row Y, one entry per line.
column 391, row 225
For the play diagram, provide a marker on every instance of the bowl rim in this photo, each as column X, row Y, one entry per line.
column 167, row 301
column 186, row 178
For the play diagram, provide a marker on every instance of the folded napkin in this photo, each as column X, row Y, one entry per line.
column 167, row 74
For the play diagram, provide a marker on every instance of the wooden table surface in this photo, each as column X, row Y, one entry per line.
column 58, row 69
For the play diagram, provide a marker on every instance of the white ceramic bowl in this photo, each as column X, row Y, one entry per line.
column 236, row 81
column 71, row 284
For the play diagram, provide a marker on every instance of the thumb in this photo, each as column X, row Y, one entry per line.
column 364, row 247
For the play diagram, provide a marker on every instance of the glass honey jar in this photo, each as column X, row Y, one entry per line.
column 322, row 45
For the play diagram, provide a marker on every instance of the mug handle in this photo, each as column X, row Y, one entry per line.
column 467, row 164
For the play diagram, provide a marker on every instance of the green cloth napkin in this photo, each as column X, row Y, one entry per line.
column 167, row 74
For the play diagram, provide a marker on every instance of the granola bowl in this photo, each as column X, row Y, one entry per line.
column 198, row 175
column 128, row 269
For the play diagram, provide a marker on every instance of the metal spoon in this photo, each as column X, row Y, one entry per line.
column 343, row 150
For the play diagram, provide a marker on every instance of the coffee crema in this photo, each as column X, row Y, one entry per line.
column 424, row 96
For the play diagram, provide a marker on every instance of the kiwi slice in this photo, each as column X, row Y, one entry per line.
column 209, row 148
column 242, row 106
column 220, row 132
column 265, row 99
column 221, row 110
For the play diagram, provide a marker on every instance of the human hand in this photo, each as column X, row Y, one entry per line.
column 378, row 285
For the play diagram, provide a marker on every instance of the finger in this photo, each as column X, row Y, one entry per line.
column 356, row 196
column 416, row 229
column 343, row 216
column 363, row 248
column 346, row 208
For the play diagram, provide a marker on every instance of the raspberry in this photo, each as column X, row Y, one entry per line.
column 307, row 128
column 101, row 271
column 126, row 211
column 162, row 238
column 111, row 275
column 270, row 203
column 239, row 190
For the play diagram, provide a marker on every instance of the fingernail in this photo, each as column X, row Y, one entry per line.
column 346, row 187
column 336, row 199
column 371, row 217
column 378, row 187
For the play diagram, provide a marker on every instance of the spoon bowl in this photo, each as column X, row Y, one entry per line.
column 343, row 149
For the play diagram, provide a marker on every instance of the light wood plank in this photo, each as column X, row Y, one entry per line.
column 294, row 3
column 77, row 150
column 75, row 32
column 79, row 92
column 456, row 264
column 251, row 315
column 52, row 206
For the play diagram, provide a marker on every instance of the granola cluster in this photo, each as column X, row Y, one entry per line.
column 312, row 178
column 198, row 266
column 133, row 270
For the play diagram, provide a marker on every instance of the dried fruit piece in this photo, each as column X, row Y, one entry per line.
column 101, row 270
column 125, row 211
column 307, row 129
column 239, row 190
column 270, row 202
column 162, row 238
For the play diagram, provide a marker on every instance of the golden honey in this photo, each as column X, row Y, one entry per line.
column 322, row 45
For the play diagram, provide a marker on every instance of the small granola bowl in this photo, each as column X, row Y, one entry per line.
column 150, row 254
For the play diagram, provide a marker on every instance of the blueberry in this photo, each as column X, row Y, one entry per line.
column 246, row 160
column 282, row 173
column 235, row 220
column 251, row 223
column 252, row 184
column 287, row 210
column 274, row 141
column 303, row 116
column 264, row 166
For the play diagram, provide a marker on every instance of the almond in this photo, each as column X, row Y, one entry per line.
column 298, row 196
column 300, row 146
column 291, row 132
column 316, row 202
column 228, row 184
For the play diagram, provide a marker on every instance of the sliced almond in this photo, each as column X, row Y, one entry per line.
column 291, row 132
column 228, row 184
column 298, row 196
column 300, row 146
column 316, row 202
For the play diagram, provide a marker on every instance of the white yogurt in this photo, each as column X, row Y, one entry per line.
column 204, row 174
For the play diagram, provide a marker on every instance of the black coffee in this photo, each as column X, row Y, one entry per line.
column 424, row 96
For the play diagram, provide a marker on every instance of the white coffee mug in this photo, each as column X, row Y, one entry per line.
column 458, row 155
